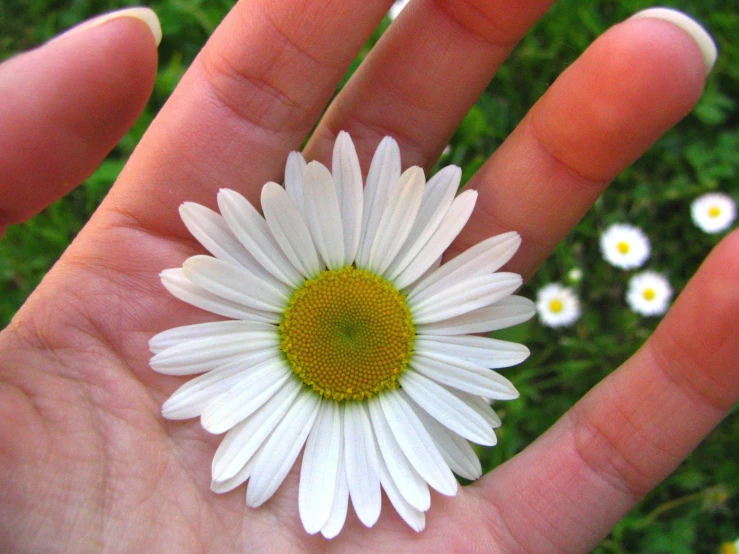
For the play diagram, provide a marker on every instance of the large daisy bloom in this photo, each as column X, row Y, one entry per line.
column 347, row 339
column 624, row 246
column 713, row 212
column 649, row 293
column 557, row 305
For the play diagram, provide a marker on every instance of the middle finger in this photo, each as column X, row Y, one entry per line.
column 424, row 75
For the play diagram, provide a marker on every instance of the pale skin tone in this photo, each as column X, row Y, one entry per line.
column 86, row 461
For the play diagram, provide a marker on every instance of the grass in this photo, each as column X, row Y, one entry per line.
column 695, row 509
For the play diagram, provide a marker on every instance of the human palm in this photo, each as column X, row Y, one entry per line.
column 87, row 463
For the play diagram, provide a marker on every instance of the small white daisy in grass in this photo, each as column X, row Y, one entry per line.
column 575, row 275
column 347, row 340
column 713, row 212
column 624, row 246
column 649, row 293
column 557, row 305
column 730, row 547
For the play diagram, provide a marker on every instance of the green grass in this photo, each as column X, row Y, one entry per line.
column 696, row 508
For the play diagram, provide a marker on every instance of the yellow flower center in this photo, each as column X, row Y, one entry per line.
column 623, row 247
column 555, row 306
column 728, row 548
column 348, row 334
column 649, row 294
column 714, row 211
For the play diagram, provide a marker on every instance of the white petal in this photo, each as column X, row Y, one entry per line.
column 340, row 504
column 181, row 287
column 320, row 467
column 456, row 451
column 453, row 222
column 348, row 182
column 221, row 487
column 485, row 257
column 397, row 220
column 289, row 230
column 479, row 404
column 416, row 443
column 187, row 333
column 484, row 351
column 241, row 443
column 360, row 458
column 282, row 448
column 256, row 354
column 409, row 483
column 243, row 399
column 437, row 198
column 197, row 356
column 194, row 396
column 294, row 179
column 415, row 518
column 434, row 266
column 447, row 409
column 468, row 295
column 213, row 232
column 234, row 283
column 323, row 214
column 382, row 177
column 465, row 376
column 252, row 230
column 504, row 313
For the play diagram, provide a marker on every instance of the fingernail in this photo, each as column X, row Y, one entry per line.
column 701, row 37
column 143, row 14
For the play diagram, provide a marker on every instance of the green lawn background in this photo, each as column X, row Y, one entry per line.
column 694, row 510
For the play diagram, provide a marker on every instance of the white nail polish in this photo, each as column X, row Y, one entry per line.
column 143, row 14
column 701, row 37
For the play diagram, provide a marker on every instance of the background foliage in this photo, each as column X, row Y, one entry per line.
column 696, row 508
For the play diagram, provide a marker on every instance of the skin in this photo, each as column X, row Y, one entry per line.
column 86, row 461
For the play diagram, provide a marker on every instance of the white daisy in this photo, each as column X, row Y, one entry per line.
column 730, row 547
column 575, row 275
column 624, row 246
column 396, row 8
column 557, row 306
column 649, row 293
column 713, row 212
column 347, row 338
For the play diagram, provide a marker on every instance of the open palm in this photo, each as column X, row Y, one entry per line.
column 87, row 463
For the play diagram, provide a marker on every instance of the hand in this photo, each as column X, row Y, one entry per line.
column 86, row 460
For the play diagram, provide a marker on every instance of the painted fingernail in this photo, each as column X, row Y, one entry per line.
column 143, row 14
column 701, row 37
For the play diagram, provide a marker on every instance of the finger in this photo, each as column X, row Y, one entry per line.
column 253, row 94
column 424, row 76
column 635, row 427
column 65, row 106
column 633, row 84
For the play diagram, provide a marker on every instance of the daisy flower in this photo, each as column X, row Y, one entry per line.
column 649, row 293
column 575, row 275
column 730, row 547
column 624, row 246
column 557, row 306
column 713, row 212
column 347, row 339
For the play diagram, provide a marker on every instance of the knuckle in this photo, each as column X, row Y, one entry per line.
column 601, row 450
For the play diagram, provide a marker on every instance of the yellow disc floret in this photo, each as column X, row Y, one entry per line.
column 623, row 247
column 649, row 294
column 348, row 334
column 556, row 305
